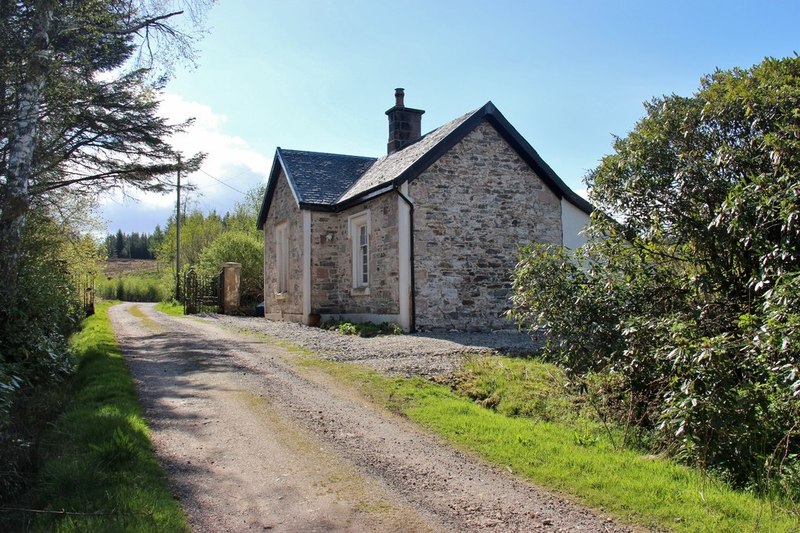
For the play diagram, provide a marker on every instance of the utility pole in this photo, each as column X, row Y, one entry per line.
column 178, row 237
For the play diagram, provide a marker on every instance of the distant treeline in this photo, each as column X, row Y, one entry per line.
column 133, row 245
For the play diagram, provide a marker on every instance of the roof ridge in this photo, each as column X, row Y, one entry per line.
column 453, row 125
column 325, row 153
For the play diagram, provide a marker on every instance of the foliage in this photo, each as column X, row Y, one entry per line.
column 78, row 118
column 33, row 351
column 208, row 240
column 198, row 231
column 98, row 461
column 363, row 329
column 244, row 214
column 238, row 247
column 690, row 292
column 133, row 245
column 142, row 287
column 571, row 457
column 79, row 112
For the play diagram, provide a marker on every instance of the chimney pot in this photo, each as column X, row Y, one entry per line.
column 399, row 93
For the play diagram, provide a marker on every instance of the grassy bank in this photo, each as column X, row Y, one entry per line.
column 99, row 471
column 569, row 454
column 171, row 307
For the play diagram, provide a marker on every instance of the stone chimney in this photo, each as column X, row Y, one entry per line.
column 405, row 124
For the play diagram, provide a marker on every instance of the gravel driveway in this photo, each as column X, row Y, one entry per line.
column 421, row 354
column 250, row 442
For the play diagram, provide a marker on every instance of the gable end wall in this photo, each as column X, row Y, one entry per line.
column 284, row 209
column 473, row 208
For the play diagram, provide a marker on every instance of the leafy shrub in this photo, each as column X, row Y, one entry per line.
column 691, row 294
column 363, row 329
column 33, row 359
column 238, row 247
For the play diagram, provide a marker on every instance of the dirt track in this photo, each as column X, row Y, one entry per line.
column 251, row 444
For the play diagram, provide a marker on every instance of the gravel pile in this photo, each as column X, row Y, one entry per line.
column 424, row 354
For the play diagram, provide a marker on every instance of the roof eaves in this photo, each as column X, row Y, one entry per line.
column 289, row 178
column 272, row 183
column 364, row 197
column 309, row 206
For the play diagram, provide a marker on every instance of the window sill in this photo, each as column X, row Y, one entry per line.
column 359, row 291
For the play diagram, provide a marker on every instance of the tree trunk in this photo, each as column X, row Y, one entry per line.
column 15, row 199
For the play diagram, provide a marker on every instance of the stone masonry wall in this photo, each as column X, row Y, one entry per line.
column 331, row 261
column 473, row 208
column 284, row 209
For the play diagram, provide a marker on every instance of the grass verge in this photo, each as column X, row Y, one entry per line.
column 99, row 471
column 171, row 307
column 644, row 490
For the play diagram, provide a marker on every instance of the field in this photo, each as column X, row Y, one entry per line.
column 133, row 280
column 115, row 267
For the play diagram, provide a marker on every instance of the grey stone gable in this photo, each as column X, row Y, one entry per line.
column 406, row 164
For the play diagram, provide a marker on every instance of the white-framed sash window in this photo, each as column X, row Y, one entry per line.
column 282, row 256
column 359, row 230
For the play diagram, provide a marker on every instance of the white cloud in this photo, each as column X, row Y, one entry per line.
column 229, row 159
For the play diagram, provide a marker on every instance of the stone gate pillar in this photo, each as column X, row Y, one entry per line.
column 231, row 278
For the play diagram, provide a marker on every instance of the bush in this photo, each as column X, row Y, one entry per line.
column 33, row 359
column 238, row 247
column 363, row 329
column 692, row 293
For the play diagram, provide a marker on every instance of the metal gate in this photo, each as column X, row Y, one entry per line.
column 84, row 285
column 202, row 294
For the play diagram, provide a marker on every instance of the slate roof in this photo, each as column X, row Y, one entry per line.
column 319, row 178
column 332, row 182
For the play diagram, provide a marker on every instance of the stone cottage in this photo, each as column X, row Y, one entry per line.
column 425, row 237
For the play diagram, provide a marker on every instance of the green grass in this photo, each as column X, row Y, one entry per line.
column 516, row 387
column 172, row 307
column 574, row 459
column 99, row 471
column 133, row 287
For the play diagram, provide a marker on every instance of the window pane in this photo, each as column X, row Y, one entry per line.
column 364, row 265
column 359, row 232
column 282, row 258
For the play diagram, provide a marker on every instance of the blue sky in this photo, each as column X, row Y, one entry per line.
column 318, row 75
